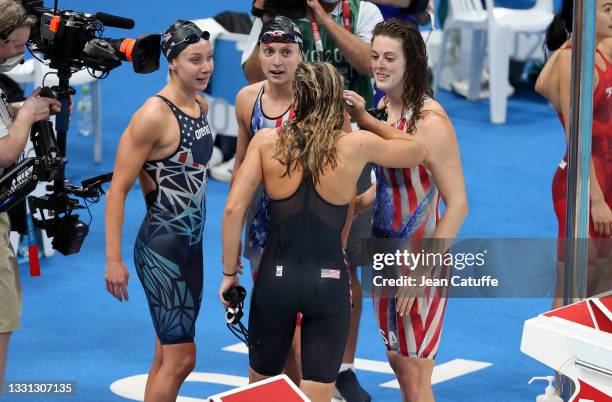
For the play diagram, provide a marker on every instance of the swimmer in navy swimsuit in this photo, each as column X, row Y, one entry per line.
column 309, row 168
column 167, row 144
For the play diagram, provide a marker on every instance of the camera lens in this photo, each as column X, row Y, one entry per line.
column 294, row 9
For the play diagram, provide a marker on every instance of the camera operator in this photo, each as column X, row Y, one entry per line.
column 15, row 123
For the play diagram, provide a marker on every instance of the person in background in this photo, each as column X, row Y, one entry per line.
column 554, row 84
column 167, row 145
column 406, row 201
column 15, row 122
column 309, row 168
column 268, row 104
column 339, row 32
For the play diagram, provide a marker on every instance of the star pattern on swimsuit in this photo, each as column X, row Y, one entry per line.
column 181, row 188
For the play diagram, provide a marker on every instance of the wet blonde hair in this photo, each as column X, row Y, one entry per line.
column 309, row 140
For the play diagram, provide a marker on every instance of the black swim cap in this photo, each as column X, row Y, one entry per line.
column 281, row 30
column 180, row 35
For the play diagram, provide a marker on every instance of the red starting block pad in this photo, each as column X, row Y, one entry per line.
column 274, row 389
column 576, row 340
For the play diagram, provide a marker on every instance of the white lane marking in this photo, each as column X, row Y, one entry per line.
column 133, row 387
column 442, row 372
column 239, row 347
column 448, row 370
column 360, row 364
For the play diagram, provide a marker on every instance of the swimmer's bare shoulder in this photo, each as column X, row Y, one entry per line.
column 265, row 139
column 353, row 144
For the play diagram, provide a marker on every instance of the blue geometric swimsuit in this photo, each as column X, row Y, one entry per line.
column 168, row 248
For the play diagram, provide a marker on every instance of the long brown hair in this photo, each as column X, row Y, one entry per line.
column 416, row 76
column 309, row 140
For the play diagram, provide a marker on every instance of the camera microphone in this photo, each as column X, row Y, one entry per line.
column 114, row 21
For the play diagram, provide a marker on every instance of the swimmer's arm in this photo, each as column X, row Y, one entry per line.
column 596, row 195
column 365, row 200
column 544, row 82
column 355, row 105
column 244, row 137
column 444, row 162
column 401, row 152
column 370, row 123
column 135, row 145
column 241, row 194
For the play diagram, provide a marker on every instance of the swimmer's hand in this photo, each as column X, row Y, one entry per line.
column 602, row 217
column 414, row 293
column 227, row 283
column 406, row 298
column 354, row 104
column 117, row 279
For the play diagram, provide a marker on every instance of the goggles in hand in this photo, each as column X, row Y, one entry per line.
column 235, row 297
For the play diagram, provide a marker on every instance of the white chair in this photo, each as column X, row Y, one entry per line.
column 465, row 15
column 503, row 25
column 500, row 25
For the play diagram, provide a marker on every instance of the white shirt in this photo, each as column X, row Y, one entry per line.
column 369, row 16
column 5, row 118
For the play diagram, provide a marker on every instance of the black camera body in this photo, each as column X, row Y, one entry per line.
column 294, row 9
column 73, row 38
column 71, row 41
column 415, row 7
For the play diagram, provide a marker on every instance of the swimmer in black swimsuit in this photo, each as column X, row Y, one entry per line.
column 167, row 145
column 309, row 169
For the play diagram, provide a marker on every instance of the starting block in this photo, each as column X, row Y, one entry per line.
column 576, row 340
column 274, row 389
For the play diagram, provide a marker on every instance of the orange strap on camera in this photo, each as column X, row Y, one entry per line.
column 127, row 46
